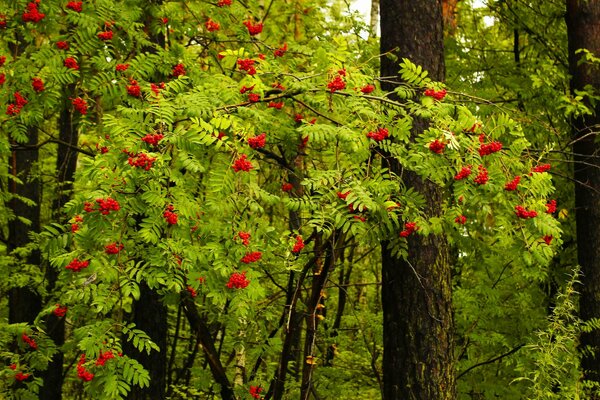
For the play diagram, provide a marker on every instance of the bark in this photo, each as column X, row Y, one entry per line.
column 374, row 17
column 418, row 357
column 583, row 28
column 23, row 302
column 150, row 315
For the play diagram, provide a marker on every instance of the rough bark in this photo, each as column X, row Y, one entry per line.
column 418, row 358
column 583, row 27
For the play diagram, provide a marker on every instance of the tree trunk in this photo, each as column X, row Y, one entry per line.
column 23, row 302
column 583, row 27
column 418, row 357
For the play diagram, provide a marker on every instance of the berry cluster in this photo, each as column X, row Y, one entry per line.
column 409, row 228
column 71, row 63
column 37, row 84
column 157, row 88
column 245, row 237
column 76, row 6
column 104, row 357
column 438, row 95
column 541, row 168
column 489, row 148
column 60, row 311
column 212, row 26
column 62, row 45
column 523, row 213
column 379, row 135
column 336, row 83
column 223, row 3
column 551, row 207
column 253, row 97
column 299, row 245
column 245, row 88
column 113, row 248
column 276, row 105
column 121, row 67
column 461, row 220
column 141, row 160
column 512, row 185
column 437, row 146
column 15, row 108
column 178, row 70
column 242, row 164
column 77, row 265
column 105, row 35
column 107, row 205
column 134, row 89
column 287, row 187
column 367, row 89
column 251, row 257
column 463, row 173
column 33, row 14
column 82, row 372
column 80, row 105
column 31, row 342
column 238, row 281
column 20, row 376
column 482, row 177
column 170, row 216
column 153, row 139
column 255, row 392
column 253, row 29
column 257, row 142
column 280, row 52
column 247, row 64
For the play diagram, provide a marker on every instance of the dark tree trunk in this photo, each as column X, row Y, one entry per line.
column 66, row 164
column 418, row 357
column 24, row 303
column 583, row 27
column 150, row 315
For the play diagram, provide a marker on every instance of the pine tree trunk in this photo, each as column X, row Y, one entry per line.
column 583, row 27
column 418, row 357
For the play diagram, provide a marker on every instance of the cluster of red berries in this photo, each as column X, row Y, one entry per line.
column 223, row 3
column 409, row 228
column 287, row 187
column 60, row 311
column 257, row 142
column 523, row 213
column 548, row 239
column 170, row 216
column 141, row 160
column 437, row 146
column 551, row 207
column 212, row 26
column 104, row 357
column 541, row 168
column 71, row 63
column 367, row 89
column 486, row 149
column 153, row 139
column 33, row 14
column 337, row 83
column 276, row 105
column 82, row 372
column 343, row 195
column 30, row 342
column 253, row 97
column 105, row 205
column 251, row 257
column 245, row 237
column 15, row 108
column 77, row 265
column 436, row 94
column 512, row 185
column 253, row 29
column 134, row 89
column 80, row 105
column 75, row 225
column 280, row 51
column 62, row 45
column 242, row 164
column 461, row 220
column 121, row 67
column 105, row 35
column 113, row 248
column 191, row 291
column 238, row 281
column 255, row 392
column 463, row 173
column 299, row 245
column 378, row 135
column 37, row 84
column 245, row 88
column 178, row 70
column 482, row 176
column 247, row 64
column 157, row 88
column 76, row 6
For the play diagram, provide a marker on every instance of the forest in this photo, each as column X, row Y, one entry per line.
column 281, row 199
